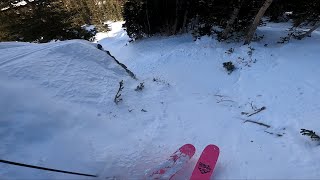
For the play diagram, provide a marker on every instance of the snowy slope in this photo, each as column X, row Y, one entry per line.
column 57, row 106
column 206, row 102
column 49, row 93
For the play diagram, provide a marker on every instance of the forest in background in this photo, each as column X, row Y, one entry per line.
column 44, row 20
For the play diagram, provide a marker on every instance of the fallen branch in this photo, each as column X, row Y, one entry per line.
column 277, row 134
column 308, row 33
column 131, row 74
column 222, row 96
column 259, row 123
column 257, row 111
column 117, row 97
column 311, row 134
column 122, row 65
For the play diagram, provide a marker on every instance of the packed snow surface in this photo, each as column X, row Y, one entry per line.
column 57, row 106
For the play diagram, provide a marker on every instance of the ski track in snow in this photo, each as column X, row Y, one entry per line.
column 58, row 110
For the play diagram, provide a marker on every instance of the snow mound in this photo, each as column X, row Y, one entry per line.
column 58, row 111
column 73, row 70
column 56, row 104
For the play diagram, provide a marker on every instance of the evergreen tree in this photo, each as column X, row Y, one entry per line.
column 276, row 12
column 149, row 17
column 39, row 21
column 168, row 17
column 135, row 16
column 95, row 12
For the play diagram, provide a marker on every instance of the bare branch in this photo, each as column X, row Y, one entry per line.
column 117, row 97
column 259, row 123
column 257, row 111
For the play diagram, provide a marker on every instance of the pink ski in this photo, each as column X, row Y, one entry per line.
column 206, row 163
column 169, row 168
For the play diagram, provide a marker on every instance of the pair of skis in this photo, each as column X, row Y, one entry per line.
column 203, row 169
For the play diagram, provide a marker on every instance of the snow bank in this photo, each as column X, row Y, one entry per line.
column 48, row 94
column 73, row 70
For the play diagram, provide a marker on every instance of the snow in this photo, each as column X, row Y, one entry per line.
column 6, row 8
column 17, row 4
column 89, row 28
column 169, row 167
column 20, row 3
column 57, row 106
column 116, row 32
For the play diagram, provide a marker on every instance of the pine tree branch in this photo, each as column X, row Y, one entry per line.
column 311, row 134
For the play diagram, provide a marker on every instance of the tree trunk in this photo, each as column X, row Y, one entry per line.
column 256, row 21
column 184, row 25
column 230, row 23
column 309, row 32
column 175, row 25
column 148, row 21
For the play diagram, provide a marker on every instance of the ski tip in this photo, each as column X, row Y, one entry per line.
column 188, row 149
column 213, row 148
column 206, row 163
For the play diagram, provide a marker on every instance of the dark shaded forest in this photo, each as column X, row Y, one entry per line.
column 44, row 20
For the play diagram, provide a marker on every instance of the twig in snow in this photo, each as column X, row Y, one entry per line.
column 253, row 106
column 158, row 80
column 279, row 135
column 257, row 111
column 222, row 98
column 140, row 87
column 117, row 97
column 259, row 123
column 218, row 95
column 230, row 51
column 311, row 134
